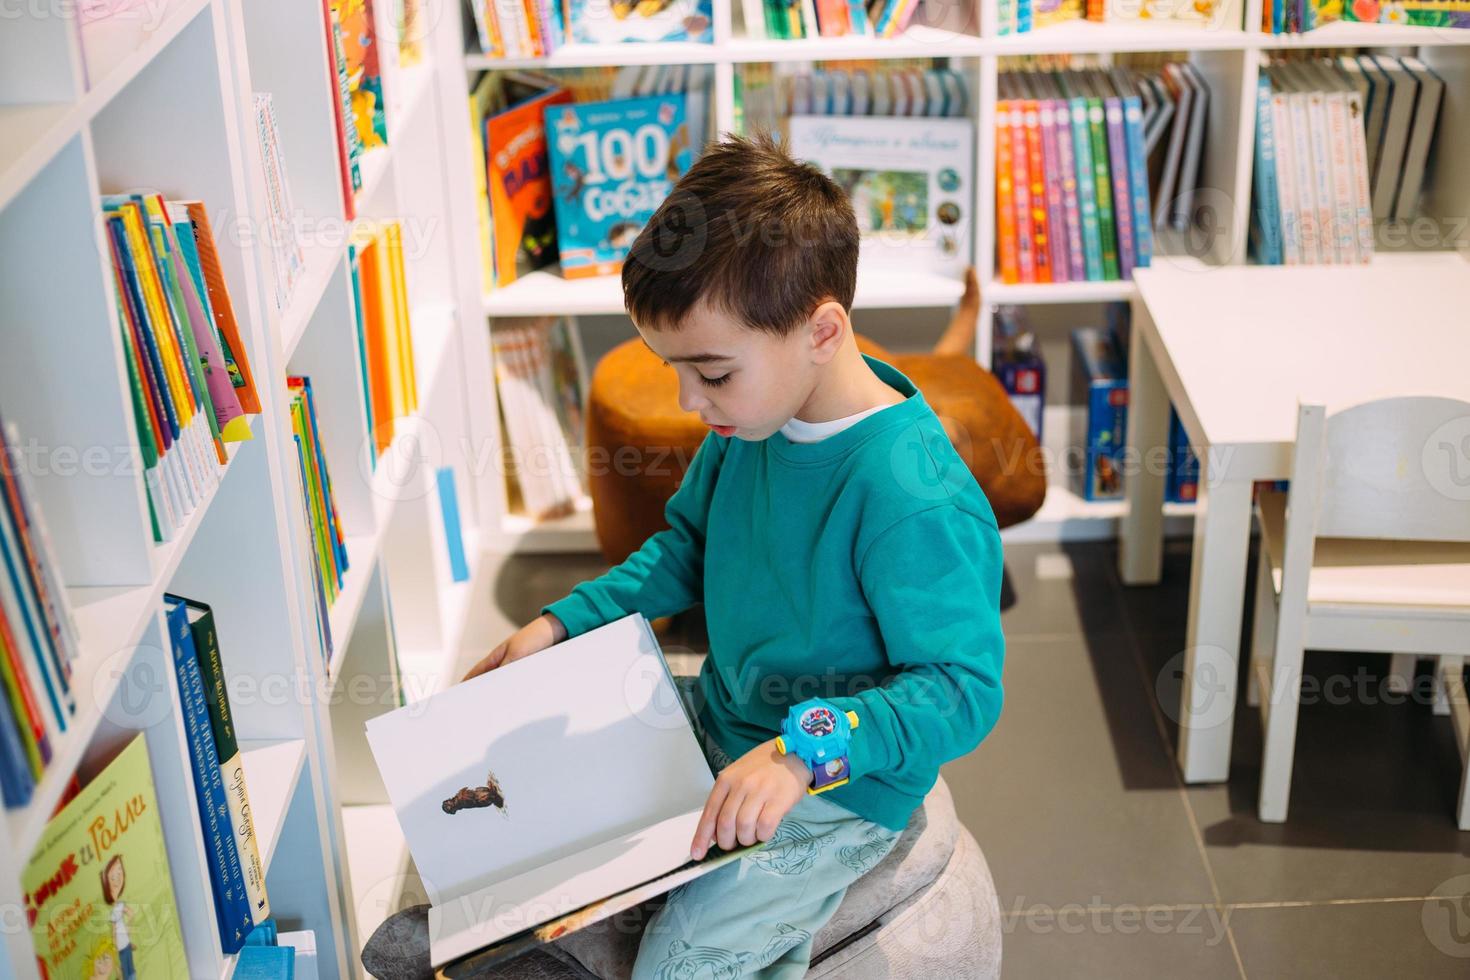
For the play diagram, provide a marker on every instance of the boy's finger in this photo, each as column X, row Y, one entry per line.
column 750, row 811
column 725, row 825
column 705, row 831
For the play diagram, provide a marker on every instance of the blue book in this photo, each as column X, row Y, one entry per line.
column 24, row 614
column 1122, row 186
column 266, row 963
column 169, row 420
column 1143, row 235
column 1266, row 224
column 354, row 267
column 459, row 569
column 612, row 164
column 17, row 782
column 1023, row 16
column 227, row 880
column 1086, row 191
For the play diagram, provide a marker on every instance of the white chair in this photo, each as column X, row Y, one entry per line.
column 1368, row 550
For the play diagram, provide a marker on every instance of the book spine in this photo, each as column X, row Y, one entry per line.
column 1143, row 236
column 1056, row 219
column 17, row 782
column 1025, row 240
column 1291, row 247
column 1023, row 16
column 1086, row 191
column 18, row 605
column 231, row 906
column 1345, row 209
column 858, row 18
column 1067, row 165
column 231, row 768
column 1005, row 196
column 23, row 697
column 1122, row 200
column 1036, row 192
column 1268, row 205
column 1362, row 196
column 1322, row 171
column 1107, row 230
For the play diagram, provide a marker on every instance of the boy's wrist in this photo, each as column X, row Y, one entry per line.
column 558, row 628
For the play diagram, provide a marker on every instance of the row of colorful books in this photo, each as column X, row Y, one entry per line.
column 1073, row 152
column 539, row 28
column 283, row 244
column 540, row 376
column 574, row 180
column 1341, row 144
column 358, row 109
column 1298, row 16
column 38, row 638
column 766, row 94
column 384, row 335
column 795, row 19
column 1022, row 16
column 326, row 540
column 187, row 369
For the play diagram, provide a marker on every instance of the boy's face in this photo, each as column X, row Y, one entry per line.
column 755, row 383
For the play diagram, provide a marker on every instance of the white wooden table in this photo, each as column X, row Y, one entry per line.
column 1233, row 348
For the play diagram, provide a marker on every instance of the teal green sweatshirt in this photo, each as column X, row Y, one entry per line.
column 864, row 568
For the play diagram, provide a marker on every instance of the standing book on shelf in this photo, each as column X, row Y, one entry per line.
column 612, row 164
column 98, row 889
column 503, row 839
column 909, row 181
column 521, row 211
column 615, row 21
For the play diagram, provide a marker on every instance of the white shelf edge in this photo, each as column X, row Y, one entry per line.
column 110, row 623
column 272, row 772
column 306, row 296
column 573, row 534
column 1058, row 292
column 377, row 861
column 362, row 559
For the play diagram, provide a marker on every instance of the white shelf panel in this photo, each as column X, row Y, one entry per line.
column 1080, row 36
column 414, row 84
column 362, row 558
column 575, row 533
column 1347, row 34
column 1059, row 292
column 33, row 135
column 593, row 55
column 126, row 69
column 110, row 623
column 372, row 166
column 321, row 263
column 432, row 328
column 377, row 861
column 272, row 770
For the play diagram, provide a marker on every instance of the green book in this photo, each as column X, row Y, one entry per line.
column 1107, row 227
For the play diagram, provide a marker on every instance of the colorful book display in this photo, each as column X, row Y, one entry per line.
column 99, row 897
column 1298, row 16
column 612, row 164
column 386, row 344
column 38, row 638
column 539, row 28
column 909, row 181
column 190, row 378
column 795, row 19
column 324, row 527
column 767, row 94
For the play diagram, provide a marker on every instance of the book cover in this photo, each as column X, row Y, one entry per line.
column 364, row 73
column 522, row 215
column 909, row 180
column 99, row 895
column 1021, row 188
column 1266, row 216
column 1005, row 196
column 612, row 165
column 1122, row 196
column 1071, row 206
column 1056, row 215
column 1086, row 190
column 1423, row 13
column 1102, row 186
column 348, row 147
column 616, row 21
column 502, row 838
column 232, row 348
column 1143, row 239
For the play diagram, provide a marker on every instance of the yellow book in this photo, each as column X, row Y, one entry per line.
column 403, row 325
column 480, row 103
column 158, row 316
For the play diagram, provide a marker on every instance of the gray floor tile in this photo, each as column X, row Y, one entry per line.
column 1060, row 591
column 1347, row 942
column 1072, row 797
column 1126, row 943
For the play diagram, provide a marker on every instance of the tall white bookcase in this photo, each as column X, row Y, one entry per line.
column 173, row 112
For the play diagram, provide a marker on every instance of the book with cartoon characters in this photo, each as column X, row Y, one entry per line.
column 612, row 165
column 524, row 225
column 538, row 794
column 99, row 898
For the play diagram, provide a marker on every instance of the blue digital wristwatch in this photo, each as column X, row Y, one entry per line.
column 817, row 733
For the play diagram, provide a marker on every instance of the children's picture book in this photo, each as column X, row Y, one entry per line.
column 99, row 897
column 612, row 165
column 544, row 786
column 524, row 229
column 909, row 181
column 615, row 21
column 364, row 71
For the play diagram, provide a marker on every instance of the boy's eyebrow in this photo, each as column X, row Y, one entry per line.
column 692, row 358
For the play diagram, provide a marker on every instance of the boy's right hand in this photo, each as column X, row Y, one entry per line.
column 543, row 631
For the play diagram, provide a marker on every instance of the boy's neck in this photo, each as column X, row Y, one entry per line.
column 846, row 386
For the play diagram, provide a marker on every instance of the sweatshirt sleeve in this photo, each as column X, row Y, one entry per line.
column 666, row 575
column 933, row 583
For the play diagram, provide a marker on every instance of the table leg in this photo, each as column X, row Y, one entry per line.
column 1140, row 549
column 1222, row 524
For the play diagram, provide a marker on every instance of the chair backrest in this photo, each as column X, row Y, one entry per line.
column 1396, row 469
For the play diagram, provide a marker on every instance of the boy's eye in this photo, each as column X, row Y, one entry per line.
column 715, row 382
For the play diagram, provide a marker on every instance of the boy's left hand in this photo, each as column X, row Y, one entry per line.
column 750, row 797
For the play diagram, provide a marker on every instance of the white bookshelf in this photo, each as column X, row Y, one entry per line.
column 1228, row 55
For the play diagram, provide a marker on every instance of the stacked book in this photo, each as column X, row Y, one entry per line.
column 328, row 558
column 38, row 639
column 236, row 875
column 282, row 243
column 794, row 19
column 1073, row 194
column 1341, row 144
column 187, row 370
column 539, row 28
column 540, row 376
column 385, row 343
column 766, row 94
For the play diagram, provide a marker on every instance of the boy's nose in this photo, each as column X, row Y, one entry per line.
column 690, row 400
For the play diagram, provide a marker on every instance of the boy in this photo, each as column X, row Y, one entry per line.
column 840, row 546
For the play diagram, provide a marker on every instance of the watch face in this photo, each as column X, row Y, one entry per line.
column 818, row 721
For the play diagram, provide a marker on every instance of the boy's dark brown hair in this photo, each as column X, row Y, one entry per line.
column 751, row 232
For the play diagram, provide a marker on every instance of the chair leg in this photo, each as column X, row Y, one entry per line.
column 1263, row 628
column 1450, row 681
column 1451, row 668
column 1280, row 724
column 1401, row 672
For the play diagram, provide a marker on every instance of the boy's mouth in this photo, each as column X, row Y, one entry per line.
column 724, row 430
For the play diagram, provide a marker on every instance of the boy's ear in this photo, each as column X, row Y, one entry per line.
column 829, row 327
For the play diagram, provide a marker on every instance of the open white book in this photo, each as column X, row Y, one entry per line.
column 545, row 785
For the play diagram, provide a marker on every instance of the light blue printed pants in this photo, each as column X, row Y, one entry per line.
column 757, row 916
